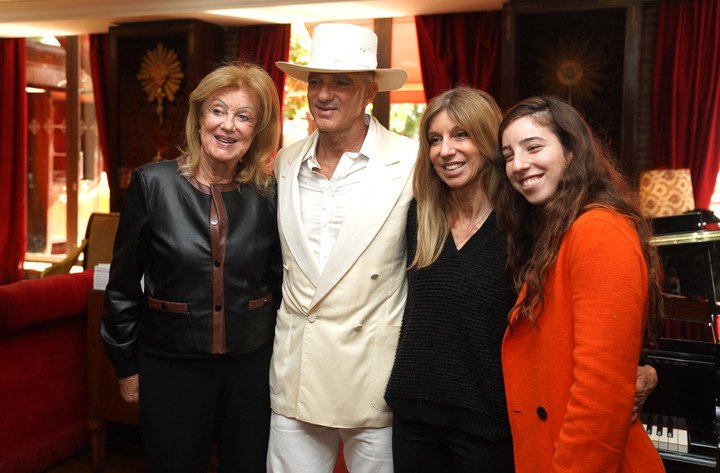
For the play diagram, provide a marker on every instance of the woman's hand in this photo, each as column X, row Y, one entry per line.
column 130, row 388
column 646, row 381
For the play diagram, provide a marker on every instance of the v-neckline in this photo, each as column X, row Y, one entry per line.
column 479, row 235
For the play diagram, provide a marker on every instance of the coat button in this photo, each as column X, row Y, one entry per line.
column 312, row 318
column 218, row 308
column 163, row 306
column 541, row 412
column 374, row 276
column 358, row 327
column 213, row 221
column 217, row 263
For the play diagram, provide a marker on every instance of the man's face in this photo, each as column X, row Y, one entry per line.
column 337, row 101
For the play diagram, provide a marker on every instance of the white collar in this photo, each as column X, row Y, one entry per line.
column 367, row 149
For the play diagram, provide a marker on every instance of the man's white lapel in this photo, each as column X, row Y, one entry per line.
column 293, row 229
column 384, row 182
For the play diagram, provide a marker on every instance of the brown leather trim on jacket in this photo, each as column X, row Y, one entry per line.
column 260, row 301
column 218, row 240
column 168, row 306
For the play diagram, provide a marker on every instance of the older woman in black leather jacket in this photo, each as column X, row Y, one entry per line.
column 194, row 342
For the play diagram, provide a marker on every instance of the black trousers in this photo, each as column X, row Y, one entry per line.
column 424, row 448
column 187, row 405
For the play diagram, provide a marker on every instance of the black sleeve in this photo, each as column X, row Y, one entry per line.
column 276, row 264
column 123, row 295
column 644, row 358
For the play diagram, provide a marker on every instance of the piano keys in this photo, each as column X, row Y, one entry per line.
column 667, row 433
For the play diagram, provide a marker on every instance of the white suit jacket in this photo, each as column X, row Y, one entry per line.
column 337, row 329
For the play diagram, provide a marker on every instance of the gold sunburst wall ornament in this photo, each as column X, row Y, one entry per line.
column 572, row 69
column 160, row 75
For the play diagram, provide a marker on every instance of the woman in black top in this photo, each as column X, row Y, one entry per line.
column 446, row 386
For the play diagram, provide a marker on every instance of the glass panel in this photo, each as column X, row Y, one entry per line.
column 46, row 146
column 47, row 158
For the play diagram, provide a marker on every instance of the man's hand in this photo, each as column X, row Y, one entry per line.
column 130, row 388
column 646, row 381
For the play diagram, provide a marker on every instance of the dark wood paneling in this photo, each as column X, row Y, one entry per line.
column 602, row 36
column 136, row 135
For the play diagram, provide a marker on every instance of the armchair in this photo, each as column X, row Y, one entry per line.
column 43, row 390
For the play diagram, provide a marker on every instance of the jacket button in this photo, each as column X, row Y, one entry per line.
column 358, row 327
column 374, row 276
column 217, row 263
column 312, row 318
column 163, row 306
column 213, row 221
column 218, row 308
column 541, row 412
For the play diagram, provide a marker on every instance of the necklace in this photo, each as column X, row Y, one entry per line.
column 468, row 231
column 482, row 217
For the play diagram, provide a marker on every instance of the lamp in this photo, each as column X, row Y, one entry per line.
column 665, row 192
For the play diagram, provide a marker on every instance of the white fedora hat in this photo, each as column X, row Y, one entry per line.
column 340, row 47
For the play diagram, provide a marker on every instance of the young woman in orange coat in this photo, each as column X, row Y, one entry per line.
column 589, row 296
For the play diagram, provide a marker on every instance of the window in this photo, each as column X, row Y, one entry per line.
column 49, row 177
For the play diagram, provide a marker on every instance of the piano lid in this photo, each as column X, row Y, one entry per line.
column 698, row 219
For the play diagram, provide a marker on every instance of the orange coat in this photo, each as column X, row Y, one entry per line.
column 570, row 381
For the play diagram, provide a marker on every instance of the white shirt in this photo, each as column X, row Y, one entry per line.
column 326, row 203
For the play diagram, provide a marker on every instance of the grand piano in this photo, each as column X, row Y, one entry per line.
column 682, row 415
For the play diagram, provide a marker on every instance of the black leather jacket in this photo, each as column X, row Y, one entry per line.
column 211, row 264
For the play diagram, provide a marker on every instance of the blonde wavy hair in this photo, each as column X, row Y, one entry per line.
column 256, row 164
column 478, row 114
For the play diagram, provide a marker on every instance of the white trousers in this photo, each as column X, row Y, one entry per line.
column 300, row 447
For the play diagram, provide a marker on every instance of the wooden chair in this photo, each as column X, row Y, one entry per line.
column 96, row 248
column 64, row 266
column 100, row 236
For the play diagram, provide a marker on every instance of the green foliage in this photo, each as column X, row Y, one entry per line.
column 295, row 90
column 405, row 118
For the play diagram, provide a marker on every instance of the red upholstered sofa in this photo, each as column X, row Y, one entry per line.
column 43, row 393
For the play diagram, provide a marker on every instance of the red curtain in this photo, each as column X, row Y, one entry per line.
column 13, row 159
column 460, row 49
column 263, row 45
column 686, row 92
column 100, row 71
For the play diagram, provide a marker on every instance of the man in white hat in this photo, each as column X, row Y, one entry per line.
column 343, row 195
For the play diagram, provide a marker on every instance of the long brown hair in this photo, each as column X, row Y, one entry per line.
column 477, row 113
column 590, row 180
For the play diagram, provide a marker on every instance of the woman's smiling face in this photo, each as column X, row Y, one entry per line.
column 227, row 127
column 535, row 159
column 454, row 156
